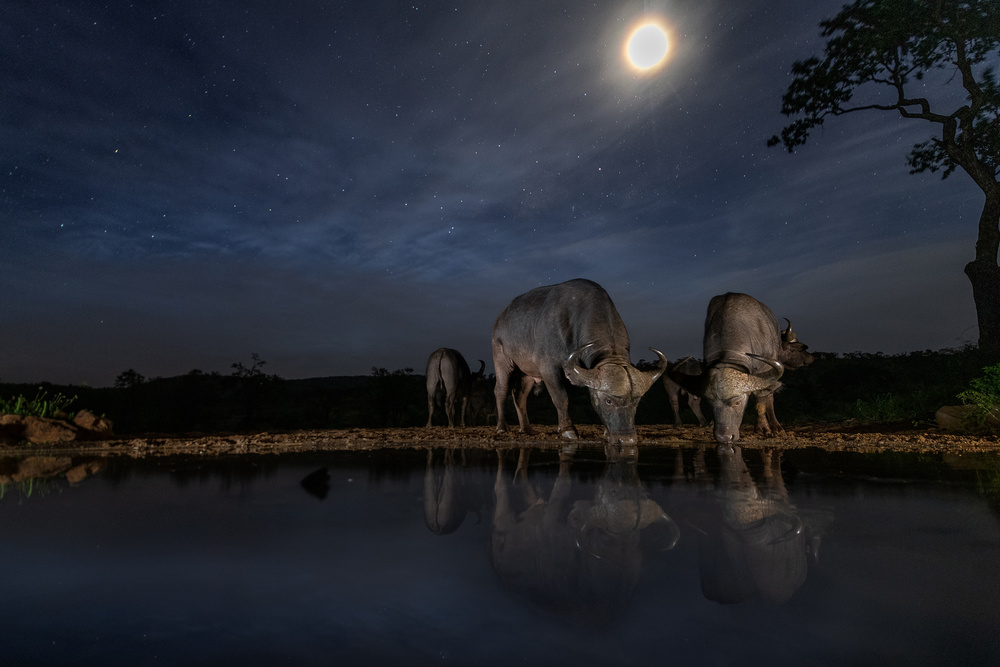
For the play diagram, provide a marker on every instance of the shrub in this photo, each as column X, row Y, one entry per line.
column 983, row 397
column 39, row 406
column 892, row 407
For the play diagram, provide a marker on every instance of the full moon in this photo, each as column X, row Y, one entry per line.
column 647, row 47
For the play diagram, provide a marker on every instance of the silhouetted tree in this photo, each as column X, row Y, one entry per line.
column 129, row 379
column 254, row 385
column 884, row 49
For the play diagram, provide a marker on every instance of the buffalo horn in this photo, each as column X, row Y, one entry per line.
column 788, row 334
column 792, row 533
column 588, row 377
column 779, row 369
column 649, row 377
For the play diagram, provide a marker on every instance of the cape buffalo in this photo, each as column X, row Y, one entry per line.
column 570, row 332
column 675, row 391
column 448, row 376
column 746, row 353
column 482, row 409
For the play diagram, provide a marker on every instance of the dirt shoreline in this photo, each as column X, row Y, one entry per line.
column 833, row 437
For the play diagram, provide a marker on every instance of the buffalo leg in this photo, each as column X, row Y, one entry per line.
column 451, row 396
column 676, row 406
column 767, row 422
column 694, row 402
column 771, row 417
column 503, row 369
column 431, row 395
column 449, row 409
column 521, row 405
column 560, row 398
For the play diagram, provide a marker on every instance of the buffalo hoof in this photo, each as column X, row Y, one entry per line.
column 570, row 434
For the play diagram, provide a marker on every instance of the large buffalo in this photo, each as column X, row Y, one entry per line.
column 746, row 353
column 570, row 332
column 448, row 377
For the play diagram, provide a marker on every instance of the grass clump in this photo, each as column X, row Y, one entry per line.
column 983, row 399
column 882, row 408
column 39, row 406
column 892, row 407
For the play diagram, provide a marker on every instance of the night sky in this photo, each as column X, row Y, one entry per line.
column 337, row 186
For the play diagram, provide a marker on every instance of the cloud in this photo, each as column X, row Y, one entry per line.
column 337, row 188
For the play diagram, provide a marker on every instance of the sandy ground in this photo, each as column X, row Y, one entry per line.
column 839, row 437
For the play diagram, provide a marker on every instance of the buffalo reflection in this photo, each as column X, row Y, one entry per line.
column 449, row 494
column 753, row 540
column 579, row 559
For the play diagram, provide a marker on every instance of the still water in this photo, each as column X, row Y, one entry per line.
column 590, row 557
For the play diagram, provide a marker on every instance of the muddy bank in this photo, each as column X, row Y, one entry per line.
column 834, row 437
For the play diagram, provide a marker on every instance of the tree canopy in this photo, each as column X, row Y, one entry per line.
column 933, row 60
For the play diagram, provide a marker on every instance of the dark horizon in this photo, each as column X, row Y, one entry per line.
column 420, row 370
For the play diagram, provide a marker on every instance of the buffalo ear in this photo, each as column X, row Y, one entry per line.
column 758, row 383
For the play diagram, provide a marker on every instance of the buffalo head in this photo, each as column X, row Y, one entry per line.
column 615, row 389
column 793, row 354
column 728, row 390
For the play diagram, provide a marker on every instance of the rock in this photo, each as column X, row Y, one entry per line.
column 11, row 429
column 15, row 429
column 42, row 431
column 952, row 417
column 37, row 430
column 94, row 425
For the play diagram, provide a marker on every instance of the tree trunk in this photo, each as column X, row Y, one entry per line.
column 984, row 274
column 985, row 281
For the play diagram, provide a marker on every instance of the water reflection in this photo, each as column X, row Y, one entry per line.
column 578, row 558
column 449, row 493
column 23, row 472
column 317, row 483
column 752, row 541
column 589, row 555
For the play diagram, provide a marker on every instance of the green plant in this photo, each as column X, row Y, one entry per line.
column 983, row 398
column 881, row 408
column 39, row 406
